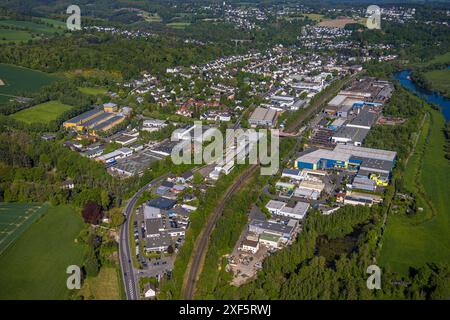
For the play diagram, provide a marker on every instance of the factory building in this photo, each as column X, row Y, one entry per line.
column 350, row 135
column 96, row 120
column 82, row 118
column 374, row 163
column 263, row 117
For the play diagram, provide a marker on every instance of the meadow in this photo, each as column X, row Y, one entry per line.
column 21, row 81
column 42, row 113
column 29, row 26
column 442, row 59
column 105, row 286
column 314, row 16
column 22, row 31
column 15, row 218
column 9, row 35
column 34, row 267
column 178, row 25
column 424, row 238
column 92, row 90
column 439, row 80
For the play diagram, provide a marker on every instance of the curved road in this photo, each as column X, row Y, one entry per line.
column 126, row 260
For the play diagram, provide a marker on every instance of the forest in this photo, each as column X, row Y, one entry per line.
column 108, row 52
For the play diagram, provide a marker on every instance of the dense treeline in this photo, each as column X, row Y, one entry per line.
column 34, row 170
column 398, row 137
column 299, row 272
column 415, row 42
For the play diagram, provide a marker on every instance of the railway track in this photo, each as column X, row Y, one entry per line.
column 197, row 259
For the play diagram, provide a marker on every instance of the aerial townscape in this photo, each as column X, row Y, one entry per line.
column 94, row 204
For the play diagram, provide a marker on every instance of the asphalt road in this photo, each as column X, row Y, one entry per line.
column 126, row 260
column 129, row 274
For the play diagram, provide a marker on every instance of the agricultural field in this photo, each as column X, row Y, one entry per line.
column 19, row 81
column 42, row 113
column 34, row 267
column 443, row 59
column 92, row 90
column 178, row 25
column 424, row 238
column 9, row 35
column 439, row 80
column 105, row 286
column 56, row 23
column 337, row 23
column 15, row 218
column 314, row 16
column 33, row 27
column 22, row 31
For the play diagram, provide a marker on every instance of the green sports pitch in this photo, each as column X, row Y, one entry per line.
column 15, row 218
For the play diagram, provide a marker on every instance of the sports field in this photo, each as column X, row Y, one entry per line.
column 15, row 218
column 19, row 81
column 42, row 113
column 425, row 238
column 34, row 267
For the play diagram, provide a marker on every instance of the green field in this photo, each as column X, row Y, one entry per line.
column 439, row 80
column 92, row 91
column 178, row 25
column 22, row 31
column 315, row 16
column 20, row 81
column 34, row 267
column 30, row 26
column 56, row 23
column 15, row 218
column 443, row 58
column 42, row 113
column 8, row 35
column 415, row 241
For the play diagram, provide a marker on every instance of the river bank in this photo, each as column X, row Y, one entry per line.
column 431, row 97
